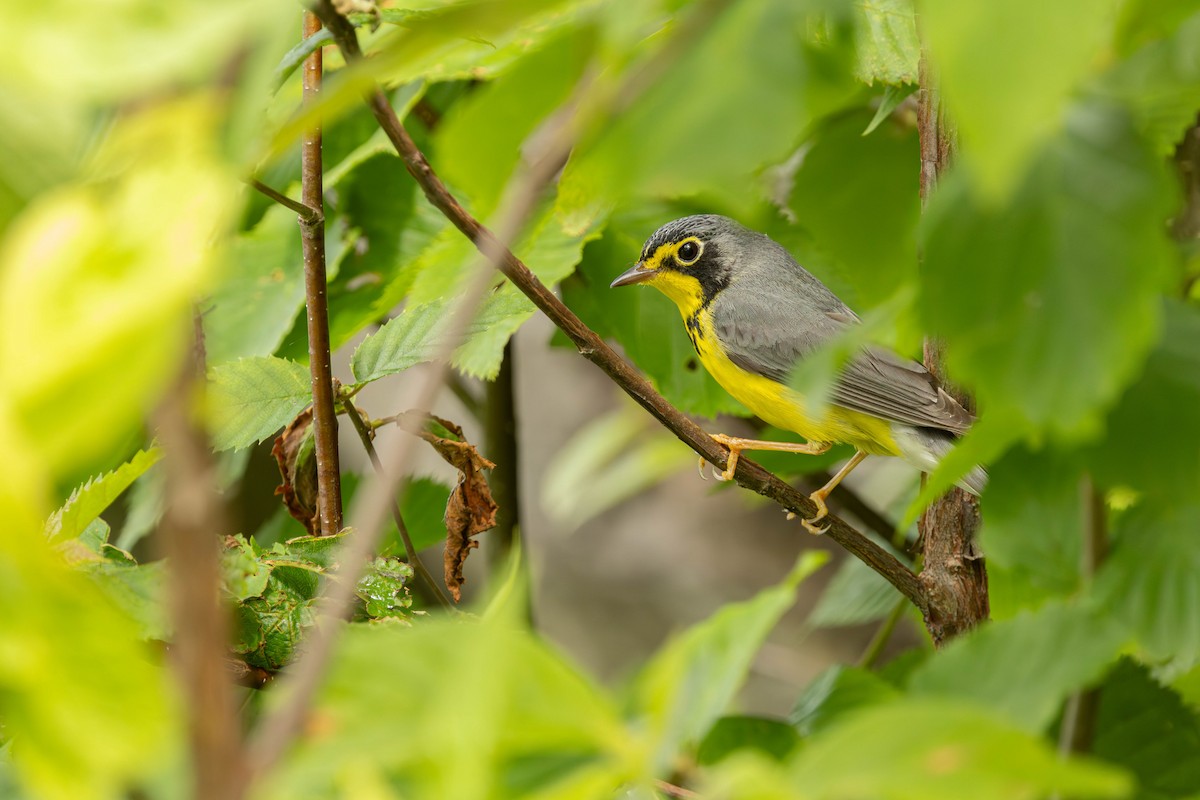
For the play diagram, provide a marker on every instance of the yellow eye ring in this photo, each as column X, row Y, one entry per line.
column 688, row 251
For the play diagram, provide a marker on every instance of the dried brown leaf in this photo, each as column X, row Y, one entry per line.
column 471, row 509
column 294, row 452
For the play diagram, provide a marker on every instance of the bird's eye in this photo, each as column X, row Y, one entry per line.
column 688, row 252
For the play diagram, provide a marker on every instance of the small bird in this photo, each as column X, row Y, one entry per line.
column 753, row 313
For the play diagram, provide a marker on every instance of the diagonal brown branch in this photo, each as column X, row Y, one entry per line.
column 592, row 347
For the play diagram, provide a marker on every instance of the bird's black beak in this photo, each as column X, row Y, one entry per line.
column 635, row 274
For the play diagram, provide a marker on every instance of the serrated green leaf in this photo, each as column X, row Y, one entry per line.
column 1149, row 580
column 772, row 737
column 689, row 683
column 252, row 398
column 1025, row 667
column 940, row 751
column 139, row 591
column 90, row 500
column 1062, row 302
column 835, row 694
column 1144, row 727
column 887, row 48
column 1007, row 70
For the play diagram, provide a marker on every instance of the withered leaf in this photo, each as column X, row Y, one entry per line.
column 296, row 455
column 471, row 509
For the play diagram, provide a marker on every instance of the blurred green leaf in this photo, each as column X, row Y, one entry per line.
column 940, row 751
column 855, row 595
column 736, row 99
column 887, row 47
column 383, row 589
column 1062, row 302
column 1149, row 580
column 1007, row 71
column 1033, row 528
column 1025, row 667
column 254, row 304
column 1151, row 430
column 1144, row 727
column 139, row 591
column 252, row 398
column 835, row 203
column 509, row 108
column 90, row 500
column 530, row 724
column 835, row 694
column 690, row 682
column 728, row 735
column 1159, row 84
column 606, row 462
column 84, row 701
column 97, row 281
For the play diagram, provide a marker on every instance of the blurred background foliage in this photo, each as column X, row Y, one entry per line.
column 1059, row 266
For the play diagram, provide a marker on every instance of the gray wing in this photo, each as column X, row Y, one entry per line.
column 768, row 335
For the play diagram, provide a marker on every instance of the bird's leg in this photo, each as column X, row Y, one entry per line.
column 819, row 495
column 736, row 446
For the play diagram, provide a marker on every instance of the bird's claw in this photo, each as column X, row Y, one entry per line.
column 811, row 526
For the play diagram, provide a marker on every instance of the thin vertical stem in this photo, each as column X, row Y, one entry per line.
column 329, row 480
column 192, row 525
column 954, row 572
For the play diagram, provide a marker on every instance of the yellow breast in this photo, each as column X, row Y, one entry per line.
column 780, row 405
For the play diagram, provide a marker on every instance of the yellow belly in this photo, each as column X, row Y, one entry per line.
column 784, row 408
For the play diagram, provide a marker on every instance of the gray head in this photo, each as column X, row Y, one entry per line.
column 693, row 259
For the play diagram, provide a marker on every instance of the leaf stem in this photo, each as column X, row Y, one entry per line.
column 882, row 635
column 308, row 215
column 364, row 434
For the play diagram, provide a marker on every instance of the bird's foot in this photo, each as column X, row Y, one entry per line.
column 735, row 450
column 810, row 524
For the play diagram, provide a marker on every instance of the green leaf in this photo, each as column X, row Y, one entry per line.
column 1144, row 727
column 1149, row 579
column 893, row 96
column 139, row 591
column 1023, row 668
column 855, row 595
column 1159, row 84
column 255, row 302
column 606, row 462
column 940, row 751
column 1033, row 529
column 417, row 333
column 90, row 500
column 761, row 79
column 1148, row 446
column 1007, row 71
column 423, row 507
column 887, row 47
column 101, row 275
column 833, row 202
column 410, row 702
column 508, row 109
column 383, row 590
column 835, row 694
column 252, row 398
column 1062, row 302
column 728, row 735
column 691, row 681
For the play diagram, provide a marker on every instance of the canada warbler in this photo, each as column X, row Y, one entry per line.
column 753, row 313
